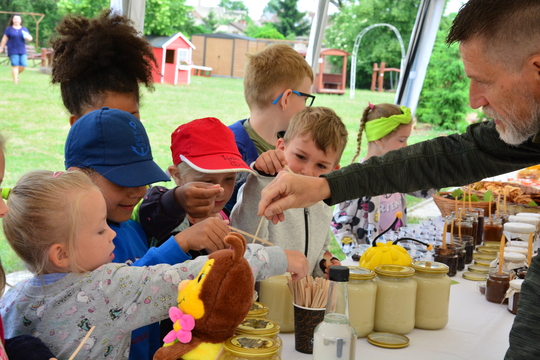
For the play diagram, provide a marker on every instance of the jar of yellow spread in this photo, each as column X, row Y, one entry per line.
column 432, row 295
column 274, row 293
column 362, row 291
column 260, row 327
column 249, row 347
column 258, row 310
column 396, row 299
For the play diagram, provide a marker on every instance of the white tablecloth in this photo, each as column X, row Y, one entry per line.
column 477, row 329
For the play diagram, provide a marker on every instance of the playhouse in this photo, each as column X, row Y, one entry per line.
column 332, row 75
column 174, row 58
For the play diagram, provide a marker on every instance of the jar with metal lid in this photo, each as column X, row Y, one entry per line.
column 468, row 242
column 260, row 327
column 274, row 293
column 396, row 299
column 497, row 284
column 249, row 347
column 362, row 294
column 258, row 310
column 513, row 295
column 432, row 295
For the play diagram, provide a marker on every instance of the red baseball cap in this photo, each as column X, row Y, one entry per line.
column 208, row 146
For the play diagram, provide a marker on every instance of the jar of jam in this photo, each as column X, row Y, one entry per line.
column 496, row 286
column 460, row 251
column 432, row 295
column 362, row 291
column 260, row 327
column 468, row 243
column 480, row 229
column 258, row 310
column 447, row 255
column 275, row 294
column 249, row 347
column 493, row 229
column 513, row 295
column 396, row 299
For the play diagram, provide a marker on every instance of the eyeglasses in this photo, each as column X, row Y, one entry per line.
column 309, row 98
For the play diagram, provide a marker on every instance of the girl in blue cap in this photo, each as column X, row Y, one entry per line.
column 359, row 221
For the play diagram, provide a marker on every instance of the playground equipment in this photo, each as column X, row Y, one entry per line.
column 378, row 81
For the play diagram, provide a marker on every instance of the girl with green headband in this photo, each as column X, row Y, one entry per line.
column 359, row 221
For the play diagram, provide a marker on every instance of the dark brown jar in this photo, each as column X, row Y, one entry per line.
column 493, row 229
column 448, row 256
column 496, row 286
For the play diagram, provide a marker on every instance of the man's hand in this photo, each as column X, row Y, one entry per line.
column 288, row 191
column 271, row 162
column 297, row 264
column 197, row 198
column 208, row 234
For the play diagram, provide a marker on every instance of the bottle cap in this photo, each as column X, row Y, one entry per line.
column 339, row 273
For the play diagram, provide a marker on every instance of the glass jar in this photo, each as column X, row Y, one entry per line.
column 274, row 293
column 465, row 224
column 447, row 255
column 249, row 347
column 258, row 310
column 513, row 295
column 480, row 229
column 460, row 251
column 260, row 327
column 493, row 229
column 468, row 242
column 396, row 299
column 362, row 294
column 496, row 286
column 514, row 260
column 519, row 230
column 432, row 295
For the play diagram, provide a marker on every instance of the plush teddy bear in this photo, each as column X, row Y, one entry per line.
column 211, row 306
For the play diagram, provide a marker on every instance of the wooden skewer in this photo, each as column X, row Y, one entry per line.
column 529, row 249
column 501, row 254
column 82, row 343
column 258, row 228
column 252, row 236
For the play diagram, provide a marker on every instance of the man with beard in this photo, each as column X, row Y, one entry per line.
column 500, row 46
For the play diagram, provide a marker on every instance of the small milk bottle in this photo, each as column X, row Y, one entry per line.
column 335, row 338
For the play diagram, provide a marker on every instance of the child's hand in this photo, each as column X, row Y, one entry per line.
column 271, row 162
column 208, row 234
column 297, row 264
column 197, row 198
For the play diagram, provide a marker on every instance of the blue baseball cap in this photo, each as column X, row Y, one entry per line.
column 113, row 143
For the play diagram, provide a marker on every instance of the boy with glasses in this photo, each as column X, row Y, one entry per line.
column 277, row 84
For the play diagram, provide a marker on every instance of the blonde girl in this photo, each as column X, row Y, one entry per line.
column 359, row 221
column 57, row 224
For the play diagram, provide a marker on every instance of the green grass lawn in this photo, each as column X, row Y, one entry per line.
column 35, row 121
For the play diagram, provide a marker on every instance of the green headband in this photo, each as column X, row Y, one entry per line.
column 379, row 128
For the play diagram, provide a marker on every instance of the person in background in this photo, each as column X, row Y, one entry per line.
column 14, row 38
column 277, row 84
column 312, row 146
column 75, row 285
column 500, row 48
column 359, row 221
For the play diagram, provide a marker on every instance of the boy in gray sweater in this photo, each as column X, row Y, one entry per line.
column 312, row 145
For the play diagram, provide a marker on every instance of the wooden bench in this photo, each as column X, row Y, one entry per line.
column 31, row 54
column 198, row 70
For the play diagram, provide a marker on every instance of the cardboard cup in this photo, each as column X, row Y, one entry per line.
column 305, row 321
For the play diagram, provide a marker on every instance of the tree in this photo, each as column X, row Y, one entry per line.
column 211, row 21
column 233, row 5
column 292, row 22
column 86, row 8
column 167, row 17
column 445, row 83
column 267, row 31
column 379, row 44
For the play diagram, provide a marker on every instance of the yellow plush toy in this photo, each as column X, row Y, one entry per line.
column 211, row 306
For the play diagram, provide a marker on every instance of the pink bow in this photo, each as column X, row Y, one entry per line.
column 182, row 326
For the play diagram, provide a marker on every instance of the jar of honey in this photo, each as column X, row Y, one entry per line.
column 432, row 295
column 275, row 294
column 496, row 286
column 513, row 295
column 362, row 291
column 396, row 299
column 260, row 327
column 493, row 229
column 249, row 347
column 258, row 310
